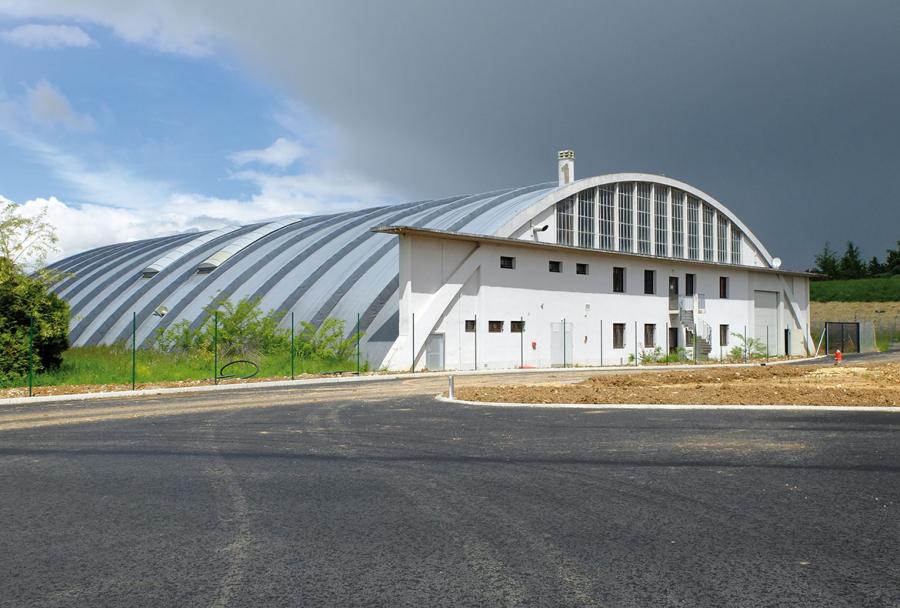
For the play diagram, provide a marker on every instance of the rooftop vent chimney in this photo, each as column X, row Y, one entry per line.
column 566, row 167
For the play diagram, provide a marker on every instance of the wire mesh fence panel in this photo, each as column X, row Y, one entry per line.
column 841, row 336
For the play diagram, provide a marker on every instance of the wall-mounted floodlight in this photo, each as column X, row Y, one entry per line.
column 534, row 231
column 160, row 311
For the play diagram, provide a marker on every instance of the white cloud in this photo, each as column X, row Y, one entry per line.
column 38, row 36
column 48, row 106
column 283, row 153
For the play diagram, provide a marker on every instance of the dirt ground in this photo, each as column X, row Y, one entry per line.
column 847, row 384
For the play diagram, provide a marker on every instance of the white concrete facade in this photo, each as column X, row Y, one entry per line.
column 447, row 280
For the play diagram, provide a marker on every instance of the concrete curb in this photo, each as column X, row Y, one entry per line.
column 673, row 406
column 146, row 392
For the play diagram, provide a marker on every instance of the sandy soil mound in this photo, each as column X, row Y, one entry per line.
column 874, row 384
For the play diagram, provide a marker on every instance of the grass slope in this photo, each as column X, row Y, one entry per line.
column 885, row 289
column 112, row 365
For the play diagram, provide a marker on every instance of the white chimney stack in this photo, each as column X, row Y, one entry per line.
column 566, row 167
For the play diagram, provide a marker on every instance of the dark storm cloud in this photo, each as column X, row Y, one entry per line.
column 785, row 111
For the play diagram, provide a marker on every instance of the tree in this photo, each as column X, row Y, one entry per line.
column 27, row 306
column 25, row 241
column 875, row 267
column 27, row 300
column 851, row 265
column 892, row 260
column 827, row 262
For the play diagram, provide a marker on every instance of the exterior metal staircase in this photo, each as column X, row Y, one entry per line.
column 689, row 308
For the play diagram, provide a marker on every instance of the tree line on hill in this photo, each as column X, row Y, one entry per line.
column 850, row 265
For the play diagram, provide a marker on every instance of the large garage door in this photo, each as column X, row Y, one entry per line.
column 765, row 308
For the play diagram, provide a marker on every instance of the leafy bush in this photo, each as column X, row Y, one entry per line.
column 23, row 298
column 326, row 341
column 752, row 346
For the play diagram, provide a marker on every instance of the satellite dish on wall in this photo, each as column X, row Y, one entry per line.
column 776, row 263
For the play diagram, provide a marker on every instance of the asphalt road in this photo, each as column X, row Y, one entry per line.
column 377, row 495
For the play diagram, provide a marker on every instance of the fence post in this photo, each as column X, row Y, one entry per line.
column 133, row 349
column 695, row 344
column 292, row 345
column 635, row 344
column 745, row 343
column 767, row 343
column 476, row 342
column 216, row 347
column 413, row 328
column 357, row 344
column 564, row 342
column 666, row 355
column 521, row 342
column 30, row 355
column 601, row 342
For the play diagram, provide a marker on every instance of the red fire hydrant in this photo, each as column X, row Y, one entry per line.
column 838, row 356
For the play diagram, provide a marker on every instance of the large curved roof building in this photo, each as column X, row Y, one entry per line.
column 340, row 266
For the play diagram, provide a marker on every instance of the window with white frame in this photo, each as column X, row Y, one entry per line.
column 607, row 216
column 565, row 221
column 677, row 223
column 722, row 238
column 626, row 219
column 693, row 227
column 735, row 245
column 660, row 197
column 643, row 218
column 586, row 218
column 707, row 233
column 649, row 335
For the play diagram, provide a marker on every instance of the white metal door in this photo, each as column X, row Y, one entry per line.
column 765, row 314
column 434, row 352
column 561, row 346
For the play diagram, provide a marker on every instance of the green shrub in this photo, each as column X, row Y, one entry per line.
column 25, row 299
column 753, row 347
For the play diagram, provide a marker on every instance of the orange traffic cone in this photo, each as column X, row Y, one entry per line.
column 838, row 356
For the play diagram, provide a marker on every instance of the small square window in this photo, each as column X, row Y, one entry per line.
column 723, row 287
column 555, row 266
column 618, row 279
column 649, row 281
column 618, row 335
column 495, row 327
column 517, row 327
column 581, row 268
column 470, row 325
column 507, row 262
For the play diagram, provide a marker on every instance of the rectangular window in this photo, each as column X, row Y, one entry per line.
column 517, row 327
column 643, row 218
column 723, row 335
column 607, row 216
column 722, row 239
column 470, row 326
column 555, row 266
column 586, row 218
column 495, row 327
column 650, row 281
column 689, row 280
column 707, row 233
column 618, row 279
column 649, row 335
column 565, row 221
column 677, row 224
column 618, row 335
column 626, row 196
column 661, row 200
column 693, row 217
column 723, row 287
column 581, row 268
column 507, row 262
column 735, row 245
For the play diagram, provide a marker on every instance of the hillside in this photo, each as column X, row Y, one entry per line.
column 885, row 289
